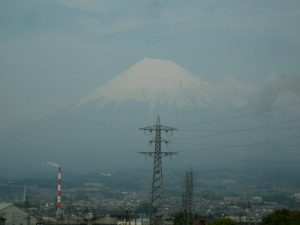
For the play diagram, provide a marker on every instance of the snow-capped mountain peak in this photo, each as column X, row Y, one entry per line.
column 155, row 82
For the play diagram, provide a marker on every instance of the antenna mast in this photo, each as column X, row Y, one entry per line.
column 157, row 201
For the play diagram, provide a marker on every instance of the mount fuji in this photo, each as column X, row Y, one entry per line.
column 100, row 132
column 155, row 82
column 158, row 82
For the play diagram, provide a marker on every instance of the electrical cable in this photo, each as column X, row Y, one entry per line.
column 240, row 116
column 249, row 144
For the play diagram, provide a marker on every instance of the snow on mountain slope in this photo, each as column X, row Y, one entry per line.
column 156, row 82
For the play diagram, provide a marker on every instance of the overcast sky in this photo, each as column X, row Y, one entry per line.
column 54, row 52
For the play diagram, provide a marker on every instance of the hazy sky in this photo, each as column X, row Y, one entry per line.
column 54, row 52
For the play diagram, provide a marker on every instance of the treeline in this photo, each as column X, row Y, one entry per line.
column 282, row 217
column 278, row 217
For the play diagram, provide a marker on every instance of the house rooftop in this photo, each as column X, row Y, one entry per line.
column 5, row 205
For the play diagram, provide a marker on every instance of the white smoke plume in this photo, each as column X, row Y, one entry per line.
column 106, row 174
column 52, row 164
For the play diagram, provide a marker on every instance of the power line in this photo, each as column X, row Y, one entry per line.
column 243, row 160
column 251, row 129
column 267, row 126
column 244, row 145
column 241, row 115
column 241, row 146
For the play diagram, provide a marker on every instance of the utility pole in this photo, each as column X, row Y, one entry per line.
column 157, row 201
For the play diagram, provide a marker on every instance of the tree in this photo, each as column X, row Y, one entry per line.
column 182, row 218
column 224, row 222
column 143, row 207
column 282, row 217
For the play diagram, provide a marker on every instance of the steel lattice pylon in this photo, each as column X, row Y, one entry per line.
column 157, row 199
column 188, row 201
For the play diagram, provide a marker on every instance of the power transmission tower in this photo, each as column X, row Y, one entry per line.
column 157, row 200
column 188, row 198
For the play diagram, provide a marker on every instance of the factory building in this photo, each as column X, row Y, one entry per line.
column 15, row 216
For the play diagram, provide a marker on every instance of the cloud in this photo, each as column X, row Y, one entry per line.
column 101, row 17
column 99, row 28
column 234, row 91
column 153, row 9
column 242, row 18
column 90, row 5
column 280, row 88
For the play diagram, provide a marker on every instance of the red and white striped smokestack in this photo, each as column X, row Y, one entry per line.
column 59, row 188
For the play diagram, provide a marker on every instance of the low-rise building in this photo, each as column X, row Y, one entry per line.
column 15, row 216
